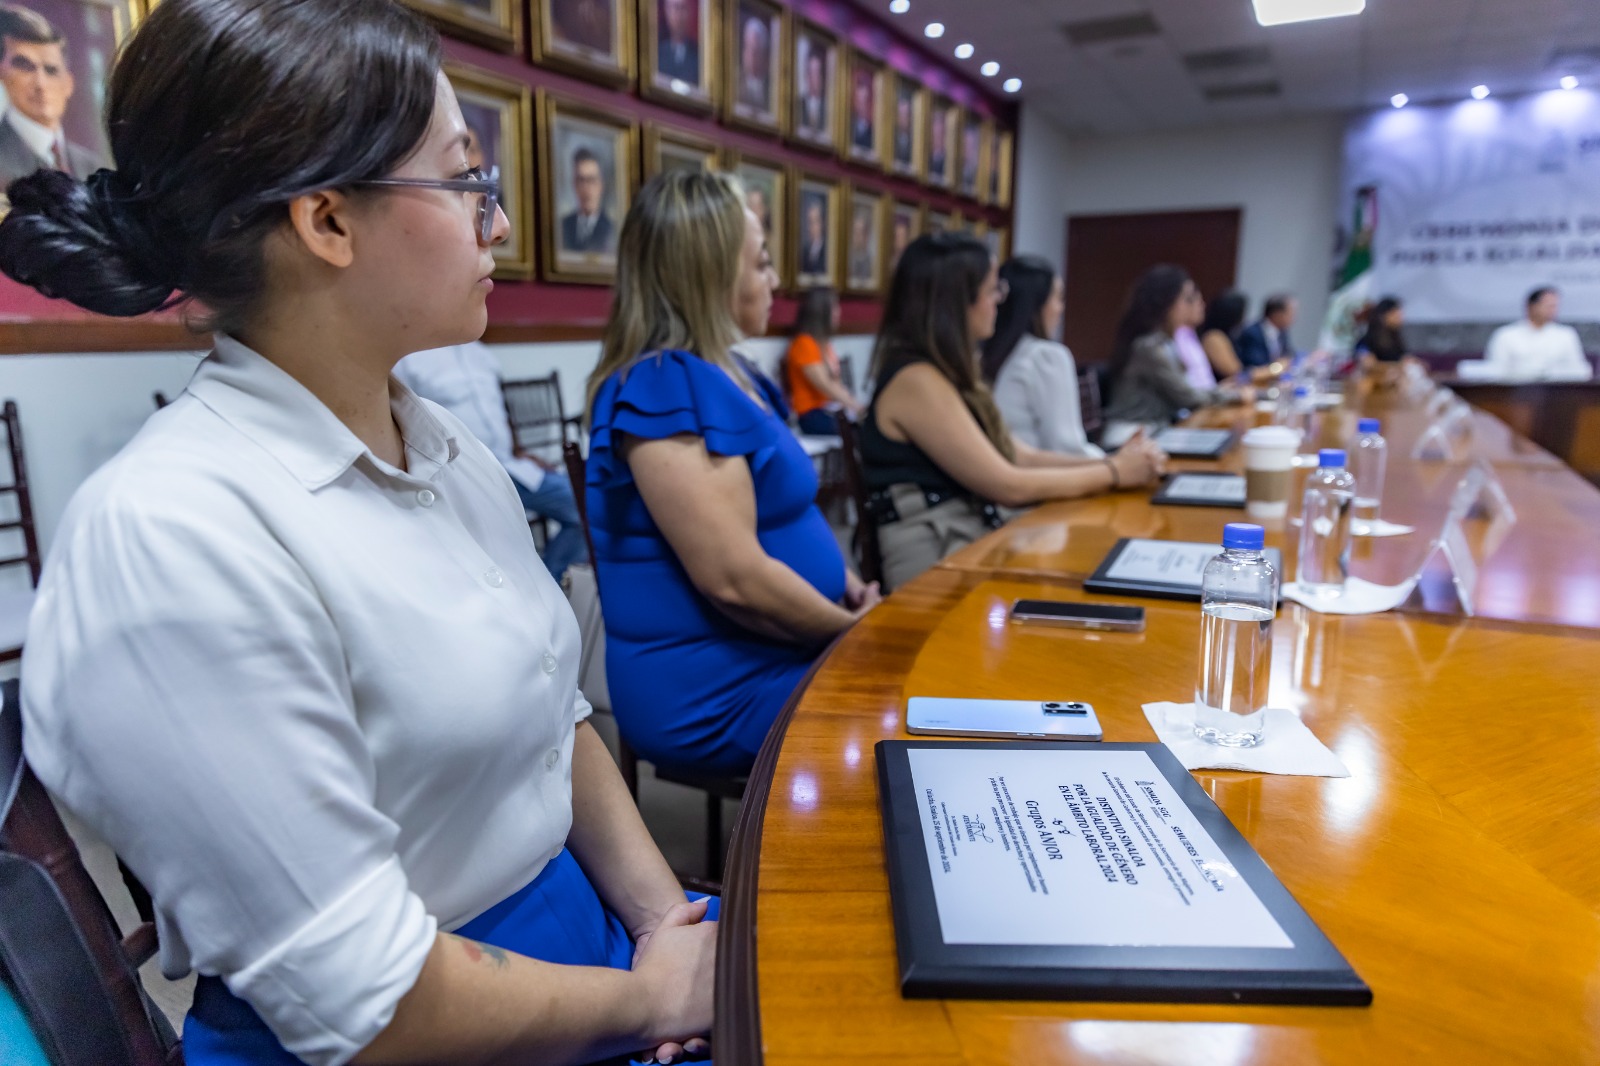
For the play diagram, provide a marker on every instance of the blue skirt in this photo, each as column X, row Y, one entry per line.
column 557, row 918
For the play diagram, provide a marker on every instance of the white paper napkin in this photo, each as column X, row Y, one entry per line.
column 1287, row 746
column 1359, row 597
column 1378, row 527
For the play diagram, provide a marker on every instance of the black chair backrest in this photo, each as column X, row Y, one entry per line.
column 575, row 473
column 87, row 933
column 538, row 420
column 18, row 486
column 160, row 398
column 1089, row 401
column 866, row 538
column 847, row 373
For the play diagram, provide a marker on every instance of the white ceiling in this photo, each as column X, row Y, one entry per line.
column 1428, row 49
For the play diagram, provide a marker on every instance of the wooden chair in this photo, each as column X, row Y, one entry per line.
column 869, row 555
column 717, row 788
column 34, row 831
column 1089, row 402
column 15, row 605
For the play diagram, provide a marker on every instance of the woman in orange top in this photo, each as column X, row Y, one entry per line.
column 815, row 387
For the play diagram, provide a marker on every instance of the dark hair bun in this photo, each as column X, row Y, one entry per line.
column 83, row 242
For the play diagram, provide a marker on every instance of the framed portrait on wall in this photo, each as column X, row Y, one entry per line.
column 815, row 94
column 757, row 65
column 678, row 54
column 496, row 23
column 906, row 223
column 58, row 55
column 974, row 155
column 816, row 218
column 587, row 160
column 591, row 38
column 1000, row 163
column 944, row 134
column 499, row 116
column 868, row 83
column 668, row 149
column 908, row 123
column 766, row 192
column 863, row 241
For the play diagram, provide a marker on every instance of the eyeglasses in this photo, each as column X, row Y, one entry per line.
column 487, row 186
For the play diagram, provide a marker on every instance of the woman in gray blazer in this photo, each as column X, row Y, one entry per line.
column 1147, row 381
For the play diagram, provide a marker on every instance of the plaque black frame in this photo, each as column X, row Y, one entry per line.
column 1313, row 972
column 1100, row 581
column 1163, row 497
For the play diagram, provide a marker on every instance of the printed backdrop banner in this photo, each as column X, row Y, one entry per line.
column 1461, row 209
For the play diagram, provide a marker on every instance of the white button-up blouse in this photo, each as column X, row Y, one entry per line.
column 322, row 707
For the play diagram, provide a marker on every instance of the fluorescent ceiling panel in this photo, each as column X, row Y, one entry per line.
column 1278, row 12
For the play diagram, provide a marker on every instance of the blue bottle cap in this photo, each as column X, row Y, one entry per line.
column 1369, row 425
column 1330, row 457
column 1302, row 390
column 1242, row 536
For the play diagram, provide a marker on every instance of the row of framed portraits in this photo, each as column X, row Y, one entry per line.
column 820, row 230
column 761, row 67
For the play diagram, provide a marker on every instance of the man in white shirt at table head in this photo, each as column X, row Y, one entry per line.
column 1538, row 348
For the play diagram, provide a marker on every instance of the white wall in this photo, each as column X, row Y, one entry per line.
column 1285, row 176
column 77, row 411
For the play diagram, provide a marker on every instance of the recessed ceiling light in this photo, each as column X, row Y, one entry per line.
column 1480, row 92
column 1399, row 100
column 933, row 29
column 1278, row 12
column 964, row 51
column 1013, row 85
column 1569, row 82
column 899, row 7
column 990, row 69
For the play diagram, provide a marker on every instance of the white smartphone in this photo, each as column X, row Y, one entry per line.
column 1027, row 719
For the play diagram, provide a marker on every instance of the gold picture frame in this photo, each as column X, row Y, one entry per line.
column 667, row 148
column 906, row 127
column 814, row 96
column 865, row 128
column 580, row 144
column 757, row 32
column 973, row 156
column 1003, row 159
column 684, row 74
column 944, row 141
column 594, row 39
column 499, row 114
column 495, row 23
column 768, row 186
column 895, row 242
column 861, row 240
column 812, row 265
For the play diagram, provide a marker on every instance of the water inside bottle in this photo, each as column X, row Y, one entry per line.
column 1324, row 542
column 1230, row 699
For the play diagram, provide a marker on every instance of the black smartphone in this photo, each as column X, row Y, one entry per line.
column 1108, row 616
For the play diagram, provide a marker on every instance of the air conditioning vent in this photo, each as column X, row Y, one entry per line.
column 1228, row 59
column 1104, row 31
column 1250, row 90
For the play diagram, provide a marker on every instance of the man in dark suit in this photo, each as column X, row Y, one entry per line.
column 814, row 249
column 585, row 23
column 814, row 93
column 938, row 139
column 863, row 123
column 755, row 66
column 1267, row 341
column 589, row 228
column 34, row 72
column 904, row 137
column 678, row 56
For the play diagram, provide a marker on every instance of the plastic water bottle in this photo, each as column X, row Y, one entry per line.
column 1238, row 599
column 1296, row 412
column 1369, row 456
column 1325, row 526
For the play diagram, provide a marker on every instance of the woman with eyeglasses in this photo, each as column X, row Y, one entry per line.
column 1147, row 379
column 720, row 579
column 294, row 656
column 938, row 458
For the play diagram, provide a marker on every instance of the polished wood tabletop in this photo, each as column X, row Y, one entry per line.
column 1457, row 868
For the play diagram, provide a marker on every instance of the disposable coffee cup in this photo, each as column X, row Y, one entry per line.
column 1269, row 453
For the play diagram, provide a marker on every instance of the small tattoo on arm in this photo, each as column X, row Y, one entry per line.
column 478, row 952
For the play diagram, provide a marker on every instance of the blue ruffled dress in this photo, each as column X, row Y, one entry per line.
column 690, row 687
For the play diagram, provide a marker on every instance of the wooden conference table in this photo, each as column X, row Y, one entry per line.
column 1457, row 868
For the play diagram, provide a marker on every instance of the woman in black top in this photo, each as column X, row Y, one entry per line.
column 936, row 452
column 1383, row 338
